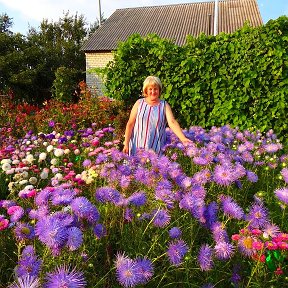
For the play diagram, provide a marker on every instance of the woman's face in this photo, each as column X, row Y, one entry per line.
column 153, row 91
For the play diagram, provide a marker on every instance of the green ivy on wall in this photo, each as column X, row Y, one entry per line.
column 239, row 79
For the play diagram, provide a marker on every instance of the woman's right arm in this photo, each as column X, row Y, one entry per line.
column 129, row 126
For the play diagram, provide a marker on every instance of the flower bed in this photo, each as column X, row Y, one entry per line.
column 76, row 211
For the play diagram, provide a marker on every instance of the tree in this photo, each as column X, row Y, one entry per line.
column 5, row 24
column 28, row 64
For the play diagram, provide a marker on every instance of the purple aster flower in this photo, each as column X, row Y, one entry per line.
column 129, row 272
column 99, row 231
column 224, row 175
column 164, row 184
column 257, row 216
column 64, row 276
column 143, row 175
column 195, row 204
column 272, row 147
column 176, row 251
column 74, row 238
column 205, row 257
column 284, row 173
column 251, row 176
column 165, row 195
column 202, row 177
column 7, row 203
column 62, row 196
column 84, row 209
column 223, row 250
column 42, row 211
column 28, row 251
column 17, row 213
column 128, row 215
column 219, row 232
column 175, row 232
column 146, row 269
column 24, row 231
column 210, row 214
column 205, row 158
column 137, row 198
column 86, row 163
column 125, row 170
column 161, row 218
column 101, row 158
column 52, row 233
column 231, row 208
column 282, row 194
column 43, row 196
column 125, row 181
column 28, row 264
column 108, row 194
column 271, row 230
column 26, row 282
column 247, row 156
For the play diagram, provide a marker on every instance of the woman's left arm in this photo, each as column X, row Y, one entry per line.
column 174, row 125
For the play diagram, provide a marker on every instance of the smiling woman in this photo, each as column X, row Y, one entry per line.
column 146, row 127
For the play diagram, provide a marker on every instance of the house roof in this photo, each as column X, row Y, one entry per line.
column 173, row 22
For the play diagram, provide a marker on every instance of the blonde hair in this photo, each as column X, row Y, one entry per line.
column 151, row 80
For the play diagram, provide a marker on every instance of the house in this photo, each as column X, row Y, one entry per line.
column 173, row 22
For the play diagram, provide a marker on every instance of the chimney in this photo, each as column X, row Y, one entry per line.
column 216, row 17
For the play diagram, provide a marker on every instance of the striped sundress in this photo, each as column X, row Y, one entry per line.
column 149, row 131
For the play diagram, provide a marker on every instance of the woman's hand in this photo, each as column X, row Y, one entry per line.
column 125, row 149
column 185, row 141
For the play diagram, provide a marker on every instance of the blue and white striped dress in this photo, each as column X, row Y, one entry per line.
column 149, row 131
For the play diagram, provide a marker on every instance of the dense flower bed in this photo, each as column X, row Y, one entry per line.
column 77, row 212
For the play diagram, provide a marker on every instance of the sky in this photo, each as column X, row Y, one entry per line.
column 30, row 13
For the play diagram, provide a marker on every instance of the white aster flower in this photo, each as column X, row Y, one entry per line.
column 54, row 161
column 6, row 166
column 44, row 174
column 3, row 161
column 33, row 180
column 42, row 156
column 24, row 174
column 29, row 187
column 58, row 152
column 23, row 182
column 58, row 176
column 50, row 148
column 66, row 151
column 30, row 158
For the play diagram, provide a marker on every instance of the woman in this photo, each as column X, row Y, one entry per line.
column 146, row 127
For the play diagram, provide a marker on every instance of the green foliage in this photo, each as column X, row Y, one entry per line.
column 29, row 63
column 136, row 59
column 239, row 79
column 65, row 84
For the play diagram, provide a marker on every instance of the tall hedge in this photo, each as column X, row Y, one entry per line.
column 239, row 79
